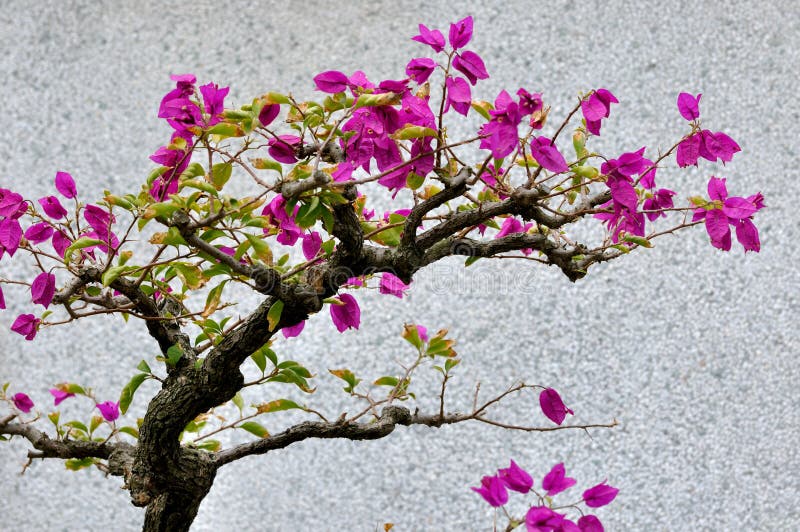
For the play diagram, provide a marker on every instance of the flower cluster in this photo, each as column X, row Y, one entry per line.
column 543, row 516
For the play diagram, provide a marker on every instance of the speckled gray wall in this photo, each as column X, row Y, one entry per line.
column 692, row 350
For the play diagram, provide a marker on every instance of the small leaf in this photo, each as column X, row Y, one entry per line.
column 190, row 274
column 129, row 390
column 130, row 431
column 413, row 132
column 347, row 376
column 387, row 381
column 174, row 354
column 254, row 428
column 143, row 367
column 209, row 445
column 260, row 248
column 276, row 406
column 112, row 274
column 276, row 97
column 220, row 174
column 239, row 402
column 75, row 464
column 260, row 359
column 274, row 314
column 638, row 240
column 96, row 421
column 77, row 425
column 81, row 243
column 53, row 417
column 225, row 130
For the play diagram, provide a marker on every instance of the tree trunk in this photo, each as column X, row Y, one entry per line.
column 172, row 512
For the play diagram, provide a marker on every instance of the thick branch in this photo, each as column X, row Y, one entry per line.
column 456, row 187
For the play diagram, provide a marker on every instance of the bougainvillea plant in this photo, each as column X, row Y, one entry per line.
column 308, row 237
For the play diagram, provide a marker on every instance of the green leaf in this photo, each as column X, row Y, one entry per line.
column 96, row 421
column 483, row 108
column 347, row 376
column 260, row 248
column 220, row 174
column 71, row 387
column 276, row 406
column 638, row 240
column 411, row 335
column 112, row 274
column 53, row 417
column 77, row 425
column 375, row 100
column 81, row 243
column 254, row 428
column 209, row 445
column 143, row 367
column 387, row 381
column 470, row 261
column 267, row 164
column 130, row 431
column 164, row 209
column 75, row 464
column 260, row 359
column 174, row 354
column 191, row 275
column 225, row 130
column 450, row 363
column 239, row 402
column 213, row 299
column 276, row 97
column 129, row 390
column 200, row 185
column 274, row 314
column 413, row 132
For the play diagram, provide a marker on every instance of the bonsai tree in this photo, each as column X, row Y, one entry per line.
column 175, row 254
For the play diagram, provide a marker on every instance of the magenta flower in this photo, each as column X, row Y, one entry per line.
column 12, row 205
column 38, row 233
column 43, row 289
column 461, row 33
column 590, row 523
column 346, row 315
column 26, row 325
column 294, row 330
column 60, row 395
column 422, row 332
column 10, row 235
column 331, row 81
column 548, row 155
column 471, row 65
column 708, row 145
column 543, row 519
column 52, row 207
column 269, row 113
column 553, row 407
column 311, row 245
column 214, row 101
column 662, row 199
column 2, row 299
column 529, row 103
column 391, row 284
column 60, row 242
column 493, row 491
column 515, row 478
column 66, row 185
column 556, row 480
column 420, row 69
column 22, row 402
column 184, row 87
column 688, row 106
column 596, row 107
column 282, row 148
column 501, row 129
column 459, row 95
column 109, row 410
column 432, row 38
column 599, row 495
column 176, row 161
column 512, row 225
column 736, row 211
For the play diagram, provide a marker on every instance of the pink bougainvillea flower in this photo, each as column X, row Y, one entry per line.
column 283, row 147
column 355, row 282
column 312, row 243
column 66, row 185
column 2, row 299
column 599, row 495
column 22, row 402
column 553, row 407
column 590, row 523
column 556, row 480
column 98, row 218
column 459, row 95
column 543, row 519
column 515, row 478
column 432, row 38
column 662, row 199
column 529, row 103
column 52, row 207
column 688, row 151
column 596, row 107
column 422, row 332
column 12, row 205
column 471, row 65
column 109, row 410
column 184, row 87
column 331, row 81
column 294, row 330
column 420, row 69
column 60, row 242
column 60, row 395
column 493, row 491
column 736, row 211
column 43, row 288
column 500, row 132
column 391, row 284
column 717, row 146
column 512, row 225
column 269, row 113
column 38, row 233
column 26, row 325
column 10, row 235
column 214, row 101
column 346, row 315
column 461, row 33
column 688, row 106
column 548, row 155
